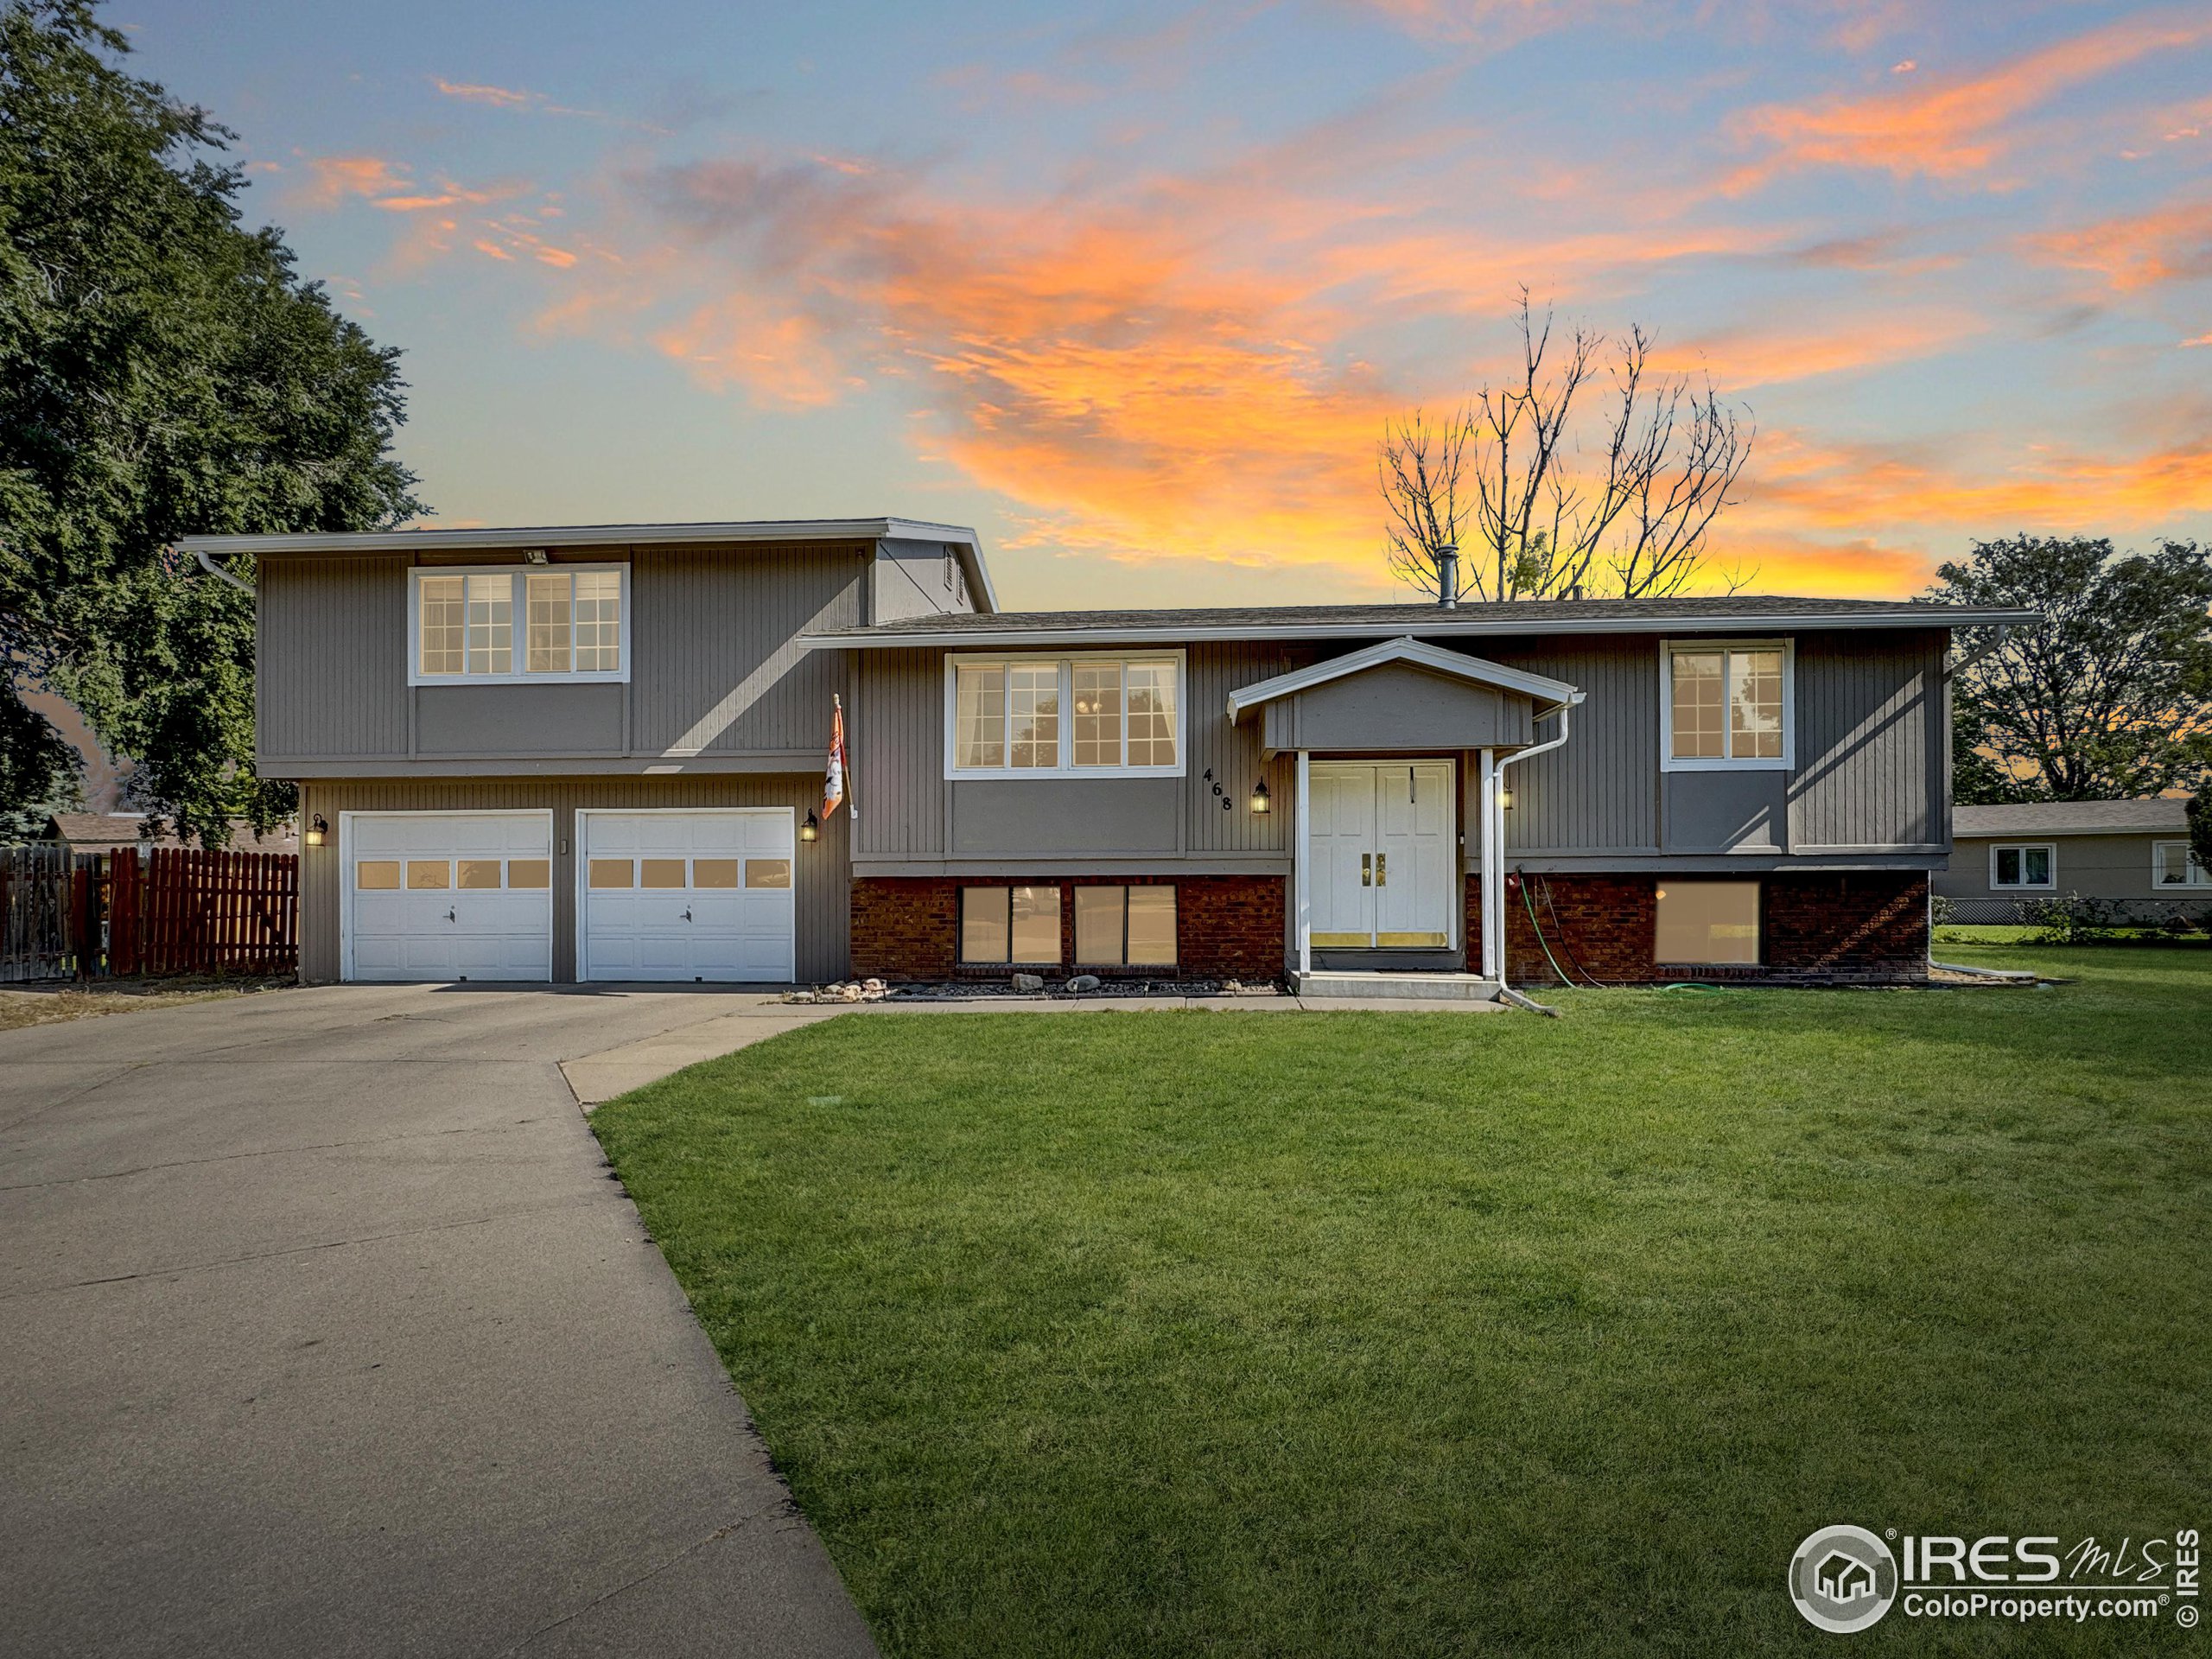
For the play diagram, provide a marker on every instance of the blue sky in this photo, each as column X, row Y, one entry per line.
column 1133, row 289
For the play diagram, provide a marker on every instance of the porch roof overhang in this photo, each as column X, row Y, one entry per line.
column 1403, row 696
column 1546, row 695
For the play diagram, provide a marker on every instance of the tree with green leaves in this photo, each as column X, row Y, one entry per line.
column 2200, row 824
column 163, row 372
column 2111, row 698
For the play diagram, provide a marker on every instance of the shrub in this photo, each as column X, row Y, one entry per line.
column 2072, row 920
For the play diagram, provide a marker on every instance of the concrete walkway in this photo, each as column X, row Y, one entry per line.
column 751, row 1018
column 328, row 1332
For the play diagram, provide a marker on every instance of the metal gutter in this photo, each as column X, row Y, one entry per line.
column 1460, row 624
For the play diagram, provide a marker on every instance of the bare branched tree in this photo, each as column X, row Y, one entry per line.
column 1505, row 482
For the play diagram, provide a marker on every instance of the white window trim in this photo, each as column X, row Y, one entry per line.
column 518, row 677
column 1066, row 768
column 2048, row 847
column 1787, row 762
column 2195, row 877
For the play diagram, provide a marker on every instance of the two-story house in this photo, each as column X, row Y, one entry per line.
column 596, row 754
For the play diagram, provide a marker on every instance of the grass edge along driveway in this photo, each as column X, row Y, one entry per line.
column 1189, row 1333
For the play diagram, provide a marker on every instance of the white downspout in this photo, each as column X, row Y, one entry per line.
column 1304, row 862
column 208, row 565
column 1494, row 838
column 1486, row 796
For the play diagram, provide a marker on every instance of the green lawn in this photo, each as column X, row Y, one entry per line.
column 1374, row 1334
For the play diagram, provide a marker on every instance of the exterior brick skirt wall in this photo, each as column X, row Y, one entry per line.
column 1226, row 926
column 1864, row 927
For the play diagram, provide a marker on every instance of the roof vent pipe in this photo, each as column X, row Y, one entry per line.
column 1447, row 577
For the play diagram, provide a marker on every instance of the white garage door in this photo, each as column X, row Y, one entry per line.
column 447, row 895
column 687, row 895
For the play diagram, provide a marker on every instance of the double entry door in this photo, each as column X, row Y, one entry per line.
column 1382, row 841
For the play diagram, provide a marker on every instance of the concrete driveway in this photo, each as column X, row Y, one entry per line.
column 328, row 1331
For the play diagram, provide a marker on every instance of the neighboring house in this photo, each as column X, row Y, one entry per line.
column 2133, row 853
column 110, row 832
column 597, row 755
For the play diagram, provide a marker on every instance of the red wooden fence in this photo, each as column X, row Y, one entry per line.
column 211, row 912
column 169, row 910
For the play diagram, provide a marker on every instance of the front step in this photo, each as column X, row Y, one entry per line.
column 1397, row 987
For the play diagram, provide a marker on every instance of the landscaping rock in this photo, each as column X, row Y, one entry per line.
column 1028, row 982
column 1083, row 982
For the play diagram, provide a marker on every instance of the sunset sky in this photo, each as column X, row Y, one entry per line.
column 1133, row 291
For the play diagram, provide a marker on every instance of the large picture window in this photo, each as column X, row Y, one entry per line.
column 1027, row 716
column 519, row 623
column 1726, row 704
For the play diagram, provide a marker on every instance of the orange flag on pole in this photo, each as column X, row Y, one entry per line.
column 834, row 781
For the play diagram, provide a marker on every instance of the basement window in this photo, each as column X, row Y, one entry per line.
column 1125, row 927
column 1010, row 926
column 1707, row 923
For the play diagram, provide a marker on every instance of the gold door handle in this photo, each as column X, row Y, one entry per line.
column 1367, row 869
column 1381, row 869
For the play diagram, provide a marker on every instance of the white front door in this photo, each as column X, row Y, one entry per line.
column 447, row 895
column 687, row 895
column 1382, row 843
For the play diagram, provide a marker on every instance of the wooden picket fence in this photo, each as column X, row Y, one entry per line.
column 37, row 932
column 162, row 911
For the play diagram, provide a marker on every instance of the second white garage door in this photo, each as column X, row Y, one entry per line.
column 687, row 895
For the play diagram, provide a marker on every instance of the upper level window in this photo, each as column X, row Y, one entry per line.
column 2172, row 866
column 520, row 623
column 2024, row 867
column 1027, row 716
column 1726, row 704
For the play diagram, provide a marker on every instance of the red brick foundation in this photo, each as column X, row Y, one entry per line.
column 1868, row 927
column 1227, row 926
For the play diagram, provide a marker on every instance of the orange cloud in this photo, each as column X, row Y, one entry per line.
column 1742, row 359
column 2172, row 243
column 331, row 179
column 500, row 97
column 1952, row 128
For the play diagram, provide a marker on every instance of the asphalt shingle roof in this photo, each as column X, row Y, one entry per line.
column 2162, row 814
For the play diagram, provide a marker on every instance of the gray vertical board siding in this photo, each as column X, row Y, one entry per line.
column 1600, row 793
column 518, row 719
column 1397, row 707
column 1872, row 740
column 823, row 880
column 906, row 803
column 711, row 649
column 1726, row 811
column 714, row 666
column 331, row 660
column 896, row 733
column 1232, row 752
column 911, row 578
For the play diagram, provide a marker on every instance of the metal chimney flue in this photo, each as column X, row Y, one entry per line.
column 1447, row 577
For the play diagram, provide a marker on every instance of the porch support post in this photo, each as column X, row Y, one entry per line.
column 1493, row 888
column 1302, row 852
